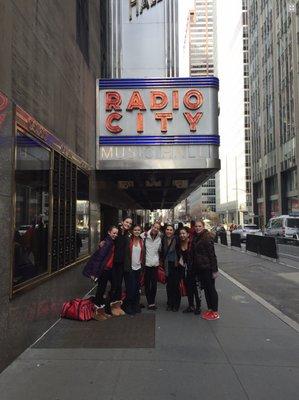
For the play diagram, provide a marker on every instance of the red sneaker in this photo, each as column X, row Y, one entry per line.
column 205, row 313
column 212, row 315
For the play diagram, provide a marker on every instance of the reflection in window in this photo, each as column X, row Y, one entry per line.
column 82, row 214
column 32, row 209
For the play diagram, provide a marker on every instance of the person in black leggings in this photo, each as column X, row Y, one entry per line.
column 204, row 263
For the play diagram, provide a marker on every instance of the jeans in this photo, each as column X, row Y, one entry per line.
column 107, row 276
column 150, row 284
column 208, row 284
column 118, row 275
column 172, row 286
column 192, row 279
column 132, row 282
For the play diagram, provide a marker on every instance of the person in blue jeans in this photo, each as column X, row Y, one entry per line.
column 132, row 271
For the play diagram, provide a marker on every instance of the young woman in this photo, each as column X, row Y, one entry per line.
column 184, row 256
column 204, row 262
column 152, row 247
column 99, row 268
column 97, row 262
column 132, row 270
column 121, row 244
column 172, row 269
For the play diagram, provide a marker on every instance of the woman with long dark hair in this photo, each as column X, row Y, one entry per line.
column 204, row 263
column 190, row 276
column 172, row 270
column 100, row 269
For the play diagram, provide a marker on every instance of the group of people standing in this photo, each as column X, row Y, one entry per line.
column 133, row 256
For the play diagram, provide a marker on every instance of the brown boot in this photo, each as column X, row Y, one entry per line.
column 100, row 315
column 116, row 308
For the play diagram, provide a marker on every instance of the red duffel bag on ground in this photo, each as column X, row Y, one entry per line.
column 78, row 309
column 161, row 277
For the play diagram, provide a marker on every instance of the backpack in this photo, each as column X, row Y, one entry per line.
column 78, row 309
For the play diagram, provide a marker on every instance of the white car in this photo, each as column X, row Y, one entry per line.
column 244, row 230
column 284, row 226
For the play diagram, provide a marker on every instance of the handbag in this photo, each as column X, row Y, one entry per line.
column 78, row 309
column 161, row 276
column 182, row 288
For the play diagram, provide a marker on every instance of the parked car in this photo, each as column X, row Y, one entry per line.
column 244, row 230
column 284, row 226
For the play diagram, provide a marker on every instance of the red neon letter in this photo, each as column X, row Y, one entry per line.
column 192, row 120
column 110, row 118
column 163, row 117
column 175, row 100
column 113, row 101
column 135, row 102
column 158, row 100
column 139, row 122
column 198, row 97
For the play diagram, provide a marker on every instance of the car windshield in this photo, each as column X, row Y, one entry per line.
column 250, row 227
column 293, row 223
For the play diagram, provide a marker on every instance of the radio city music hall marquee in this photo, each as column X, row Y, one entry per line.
column 156, row 113
column 158, row 101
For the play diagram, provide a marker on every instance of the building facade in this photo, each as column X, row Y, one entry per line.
column 234, row 200
column 56, row 195
column 49, row 203
column 203, row 62
column 274, row 105
column 144, row 60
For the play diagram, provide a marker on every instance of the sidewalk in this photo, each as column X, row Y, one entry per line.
column 247, row 354
column 275, row 282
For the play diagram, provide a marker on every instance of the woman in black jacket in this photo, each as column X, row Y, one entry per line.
column 204, row 262
column 169, row 258
column 184, row 257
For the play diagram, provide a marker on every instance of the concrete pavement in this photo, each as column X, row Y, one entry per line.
column 275, row 282
column 249, row 353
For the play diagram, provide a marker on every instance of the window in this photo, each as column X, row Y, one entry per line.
column 292, row 222
column 82, row 215
column 51, row 207
column 32, row 209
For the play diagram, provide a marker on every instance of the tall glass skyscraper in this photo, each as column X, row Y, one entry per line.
column 202, row 56
column 274, row 103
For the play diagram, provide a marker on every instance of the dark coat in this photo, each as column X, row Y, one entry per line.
column 121, row 245
column 128, row 255
column 203, row 253
column 98, row 260
column 186, row 255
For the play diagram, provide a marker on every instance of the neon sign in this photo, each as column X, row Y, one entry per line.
column 155, row 102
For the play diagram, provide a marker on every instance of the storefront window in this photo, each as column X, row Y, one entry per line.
column 32, row 209
column 82, row 215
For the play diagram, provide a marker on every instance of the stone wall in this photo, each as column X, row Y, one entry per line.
column 43, row 71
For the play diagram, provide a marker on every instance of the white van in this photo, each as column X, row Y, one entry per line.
column 284, row 226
